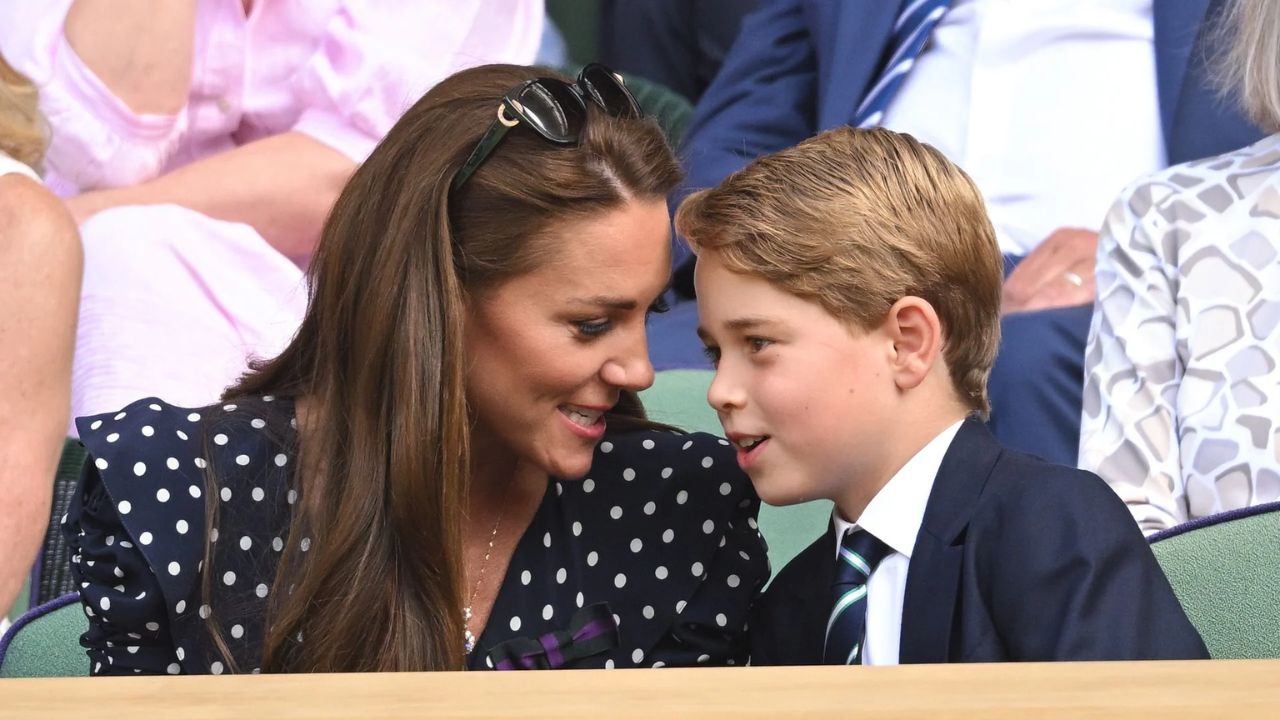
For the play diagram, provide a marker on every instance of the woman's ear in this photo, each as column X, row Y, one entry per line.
column 913, row 326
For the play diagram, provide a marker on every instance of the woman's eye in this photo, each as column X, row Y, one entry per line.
column 593, row 328
column 658, row 306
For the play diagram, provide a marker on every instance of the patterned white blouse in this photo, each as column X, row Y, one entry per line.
column 1181, row 392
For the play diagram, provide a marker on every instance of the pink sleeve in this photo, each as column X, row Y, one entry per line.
column 97, row 140
column 377, row 58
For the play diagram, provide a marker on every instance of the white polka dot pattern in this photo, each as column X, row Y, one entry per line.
column 658, row 530
column 153, row 471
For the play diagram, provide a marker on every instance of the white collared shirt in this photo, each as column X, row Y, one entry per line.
column 894, row 516
column 1049, row 105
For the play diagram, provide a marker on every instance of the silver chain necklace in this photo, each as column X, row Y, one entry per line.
column 468, row 637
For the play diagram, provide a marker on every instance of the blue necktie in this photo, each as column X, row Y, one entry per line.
column 910, row 33
column 860, row 552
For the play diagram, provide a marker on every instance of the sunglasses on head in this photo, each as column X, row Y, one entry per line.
column 554, row 109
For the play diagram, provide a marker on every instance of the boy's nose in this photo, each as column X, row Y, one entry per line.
column 724, row 394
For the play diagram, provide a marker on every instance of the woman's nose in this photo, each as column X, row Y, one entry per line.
column 631, row 370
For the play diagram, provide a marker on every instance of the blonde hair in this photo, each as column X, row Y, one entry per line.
column 22, row 135
column 855, row 220
column 1250, row 65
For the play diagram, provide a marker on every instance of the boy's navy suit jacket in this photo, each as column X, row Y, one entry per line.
column 1017, row 559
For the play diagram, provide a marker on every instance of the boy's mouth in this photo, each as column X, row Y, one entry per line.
column 749, row 448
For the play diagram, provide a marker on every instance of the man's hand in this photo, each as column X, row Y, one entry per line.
column 1058, row 273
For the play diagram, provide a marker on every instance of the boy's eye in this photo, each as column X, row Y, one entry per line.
column 756, row 344
column 713, row 355
column 593, row 328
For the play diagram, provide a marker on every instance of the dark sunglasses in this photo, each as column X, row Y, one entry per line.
column 554, row 109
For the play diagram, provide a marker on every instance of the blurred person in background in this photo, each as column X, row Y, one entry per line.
column 1182, row 391
column 678, row 43
column 40, row 264
column 200, row 146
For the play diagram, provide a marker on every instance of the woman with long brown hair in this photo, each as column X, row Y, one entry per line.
column 40, row 263
column 449, row 466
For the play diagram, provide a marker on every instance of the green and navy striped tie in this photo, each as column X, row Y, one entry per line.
column 860, row 552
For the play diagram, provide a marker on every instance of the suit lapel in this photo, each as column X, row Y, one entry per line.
column 857, row 47
column 933, row 581
column 1177, row 24
column 809, row 601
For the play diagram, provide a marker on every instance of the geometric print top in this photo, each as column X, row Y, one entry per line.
column 652, row 559
column 1182, row 369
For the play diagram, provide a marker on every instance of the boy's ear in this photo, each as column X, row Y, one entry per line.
column 916, row 332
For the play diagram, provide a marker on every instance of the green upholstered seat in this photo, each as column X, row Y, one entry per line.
column 679, row 397
column 671, row 109
column 579, row 25
column 1225, row 570
column 46, row 642
column 52, row 577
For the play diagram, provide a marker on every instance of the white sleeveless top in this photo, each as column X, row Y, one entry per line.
column 10, row 166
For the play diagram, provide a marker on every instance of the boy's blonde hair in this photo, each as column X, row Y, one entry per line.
column 855, row 220
column 22, row 134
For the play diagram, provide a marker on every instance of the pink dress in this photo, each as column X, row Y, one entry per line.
column 174, row 301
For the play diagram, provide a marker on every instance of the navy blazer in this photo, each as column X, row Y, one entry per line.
column 799, row 67
column 1017, row 559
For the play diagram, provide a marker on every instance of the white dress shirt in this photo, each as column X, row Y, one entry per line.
column 893, row 516
column 1049, row 105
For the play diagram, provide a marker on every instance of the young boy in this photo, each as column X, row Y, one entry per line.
column 849, row 295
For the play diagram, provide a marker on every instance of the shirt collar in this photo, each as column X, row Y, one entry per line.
column 895, row 513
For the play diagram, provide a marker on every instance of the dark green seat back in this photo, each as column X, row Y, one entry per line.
column 46, row 642
column 1225, row 570
column 52, row 577
column 671, row 109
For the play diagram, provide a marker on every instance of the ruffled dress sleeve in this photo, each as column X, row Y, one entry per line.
column 135, row 526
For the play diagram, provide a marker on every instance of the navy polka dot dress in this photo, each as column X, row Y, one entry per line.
column 653, row 559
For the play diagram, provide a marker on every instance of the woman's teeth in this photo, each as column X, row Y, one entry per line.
column 585, row 418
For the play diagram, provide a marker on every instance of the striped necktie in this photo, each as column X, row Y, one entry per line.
column 910, row 33
column 860, row 552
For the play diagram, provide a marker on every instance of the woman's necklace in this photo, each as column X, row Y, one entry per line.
column 468, row 637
